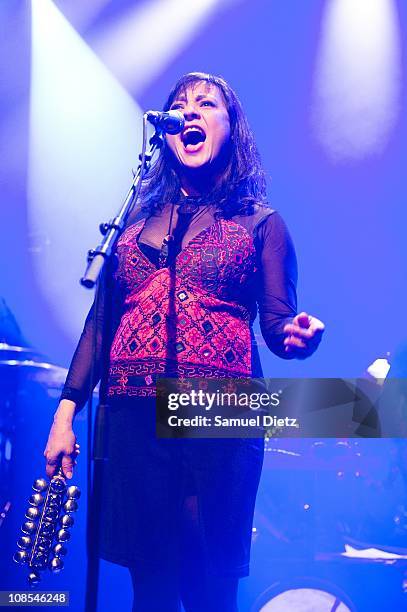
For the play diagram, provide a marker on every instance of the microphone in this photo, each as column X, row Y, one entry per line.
column 171, row 122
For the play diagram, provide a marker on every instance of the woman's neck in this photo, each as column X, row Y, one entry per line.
column 194, row 187
column 198, row 183
column 189, row 190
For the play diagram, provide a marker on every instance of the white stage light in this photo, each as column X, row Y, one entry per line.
column 85, row 136
column 357, row 83
column 81, row 14
column 139, row 46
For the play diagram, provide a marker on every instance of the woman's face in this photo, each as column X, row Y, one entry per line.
column 207, row 128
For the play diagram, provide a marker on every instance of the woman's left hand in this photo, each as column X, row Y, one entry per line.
column 304, row 334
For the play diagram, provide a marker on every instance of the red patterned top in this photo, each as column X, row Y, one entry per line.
column 193, row 318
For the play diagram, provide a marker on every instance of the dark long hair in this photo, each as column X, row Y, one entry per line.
column 242, row 183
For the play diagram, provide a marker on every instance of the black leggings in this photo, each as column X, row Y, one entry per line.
column 158, row 593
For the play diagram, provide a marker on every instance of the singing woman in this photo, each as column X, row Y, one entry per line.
column 206, row 255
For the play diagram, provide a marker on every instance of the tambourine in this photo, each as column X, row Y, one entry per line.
column 46, row 530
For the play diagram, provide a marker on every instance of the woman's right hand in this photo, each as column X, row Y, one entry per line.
column 62, row 448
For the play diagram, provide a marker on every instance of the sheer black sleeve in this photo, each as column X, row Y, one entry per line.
column 78, row 382
column 277, row 297
column 80, row 378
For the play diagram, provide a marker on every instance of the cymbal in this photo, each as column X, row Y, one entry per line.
column 8, row 351
column 47, row 374
column 18, row 349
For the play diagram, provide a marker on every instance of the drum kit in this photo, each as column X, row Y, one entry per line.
column 348, row 488
column 19, row 364
column 20, row 368
column 334, row 509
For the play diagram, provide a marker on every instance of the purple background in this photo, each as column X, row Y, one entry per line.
column 347, row 217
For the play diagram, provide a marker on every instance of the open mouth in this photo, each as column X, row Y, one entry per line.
column 192, row 137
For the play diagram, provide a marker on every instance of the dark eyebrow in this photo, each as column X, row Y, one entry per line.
column 205, row 95
column 199, row 97
column 180, row 98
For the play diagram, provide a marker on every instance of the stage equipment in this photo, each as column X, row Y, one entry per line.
column 333, row 510
column 19, row 364
column 112, row 229
column 97, row 258
column 171, row 122
column 303, row 595
column 336, row 490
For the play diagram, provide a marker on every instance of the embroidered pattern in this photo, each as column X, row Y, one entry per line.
column 189, row 320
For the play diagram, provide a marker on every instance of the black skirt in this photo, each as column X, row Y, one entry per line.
column 174, row 503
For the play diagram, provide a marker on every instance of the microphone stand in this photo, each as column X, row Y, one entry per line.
column 112, row 230
column 97, row 262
